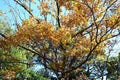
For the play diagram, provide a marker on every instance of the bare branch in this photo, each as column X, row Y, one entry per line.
column 25, row 7
column 2, row 35
column 58, row 13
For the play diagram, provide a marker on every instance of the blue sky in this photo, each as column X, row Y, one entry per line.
column 5, row 9
column 6, row 6
column 3, row 6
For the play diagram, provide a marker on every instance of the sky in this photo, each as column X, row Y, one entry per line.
column 3, row 6
column 5, row 9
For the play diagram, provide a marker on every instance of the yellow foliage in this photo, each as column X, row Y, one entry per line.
column 82, row 30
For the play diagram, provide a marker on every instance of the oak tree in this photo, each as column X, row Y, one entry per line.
column 66, row 34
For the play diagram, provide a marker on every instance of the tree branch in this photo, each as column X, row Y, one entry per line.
column 24, row 6
column 58, row 13
column 2, row 35
column 81, row 31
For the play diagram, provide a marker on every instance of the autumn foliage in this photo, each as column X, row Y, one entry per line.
column 70, row 32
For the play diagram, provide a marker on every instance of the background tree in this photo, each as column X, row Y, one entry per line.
column 14, row 63
column 104, row 66
column 113, row 68
column 67, row 33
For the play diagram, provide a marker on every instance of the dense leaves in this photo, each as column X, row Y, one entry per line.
column 67, row 34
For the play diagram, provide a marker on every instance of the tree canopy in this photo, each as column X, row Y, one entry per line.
column 66, row 34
